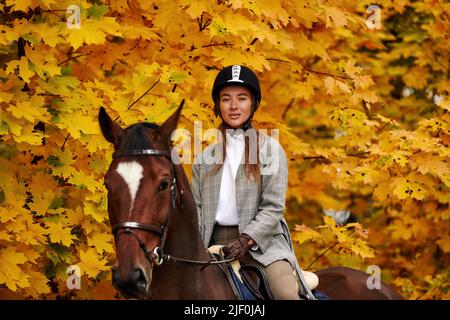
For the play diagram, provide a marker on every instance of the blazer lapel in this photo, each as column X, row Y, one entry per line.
column 212, row 192
column 246, row 196
column 240, row 189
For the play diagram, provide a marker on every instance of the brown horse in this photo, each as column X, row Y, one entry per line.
column 160, row 254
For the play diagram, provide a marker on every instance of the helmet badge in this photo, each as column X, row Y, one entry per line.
column 235, row 74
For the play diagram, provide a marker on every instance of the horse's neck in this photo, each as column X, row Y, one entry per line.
column 184, row 241
column 184, row 237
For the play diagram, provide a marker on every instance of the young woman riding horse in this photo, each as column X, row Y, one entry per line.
column 239, row 205
column 161, row 252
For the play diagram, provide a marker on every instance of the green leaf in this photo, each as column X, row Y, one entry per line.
column 57, row 203
column 97, row 12
column 56, row 253
column 54, row 161
column 178, row 77
column 66, row 71
column 7, row 151
column 49, row 268
column 4, row 128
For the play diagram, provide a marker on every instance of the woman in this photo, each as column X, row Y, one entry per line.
column 240, row 200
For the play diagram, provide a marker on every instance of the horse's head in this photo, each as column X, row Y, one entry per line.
column 141, row 196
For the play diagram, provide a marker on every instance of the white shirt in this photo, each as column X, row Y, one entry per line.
column 226, row 214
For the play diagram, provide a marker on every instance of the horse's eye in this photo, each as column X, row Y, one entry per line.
column 164, row 184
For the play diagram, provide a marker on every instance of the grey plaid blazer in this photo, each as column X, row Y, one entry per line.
column 260, row 210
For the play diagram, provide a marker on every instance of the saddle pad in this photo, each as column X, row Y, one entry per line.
column 320, row 295
column 235, row 265
column 312, row 280
column 244, row 292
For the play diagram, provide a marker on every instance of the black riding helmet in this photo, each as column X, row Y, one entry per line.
column 237, row 75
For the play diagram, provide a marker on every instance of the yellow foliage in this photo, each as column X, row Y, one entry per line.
column 331, row 234
column 60, row 234
column 10, row 272
column 101, row 242
column 362, row 115
column 91, row 263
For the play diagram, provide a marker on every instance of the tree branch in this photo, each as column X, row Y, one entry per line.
column 217, row 44
column 357, row 155
column 287, row 108
column 323, row 253
column 65, row 140
column 143, row 94
column 279, row 60
column 327, row 74
column 136, row 44
column 73, row 58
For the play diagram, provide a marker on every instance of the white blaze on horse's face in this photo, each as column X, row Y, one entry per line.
column 131, row 172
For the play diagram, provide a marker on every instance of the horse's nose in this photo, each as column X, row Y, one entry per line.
column 136, row 280
column 139, row 280
column 116, row 278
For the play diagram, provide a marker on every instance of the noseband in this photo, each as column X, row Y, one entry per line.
column 156, row 255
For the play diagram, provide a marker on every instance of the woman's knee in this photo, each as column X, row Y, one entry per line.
column 282, row 280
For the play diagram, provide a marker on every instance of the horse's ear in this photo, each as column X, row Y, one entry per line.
column 171, row 123
column 111, row 130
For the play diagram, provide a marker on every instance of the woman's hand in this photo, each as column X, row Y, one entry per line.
column 238, row 248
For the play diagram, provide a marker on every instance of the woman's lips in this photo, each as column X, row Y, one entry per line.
column 234, row 116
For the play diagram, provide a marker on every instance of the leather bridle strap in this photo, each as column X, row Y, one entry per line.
column 137, row 225
column 150, row 255
column 143, row 152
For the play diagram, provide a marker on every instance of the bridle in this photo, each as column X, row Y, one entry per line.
column 157, row 255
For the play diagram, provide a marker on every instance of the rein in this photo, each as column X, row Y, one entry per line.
column 157, row 255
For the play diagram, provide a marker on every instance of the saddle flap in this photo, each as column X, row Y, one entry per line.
column 256, row 281
column 231, row 272
column 244, row 278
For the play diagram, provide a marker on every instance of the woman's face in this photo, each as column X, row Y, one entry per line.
column 235, row 105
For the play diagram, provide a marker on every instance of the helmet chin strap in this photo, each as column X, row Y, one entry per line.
column 245, row 126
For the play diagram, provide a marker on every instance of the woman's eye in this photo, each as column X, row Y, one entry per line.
column 163, row 185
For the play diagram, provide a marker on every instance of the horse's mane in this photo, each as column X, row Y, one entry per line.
column 136, row 138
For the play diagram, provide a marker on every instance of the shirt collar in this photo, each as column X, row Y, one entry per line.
column 235, row 136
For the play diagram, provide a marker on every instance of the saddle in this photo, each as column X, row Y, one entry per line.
column 254, row 277
column 248, row 282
